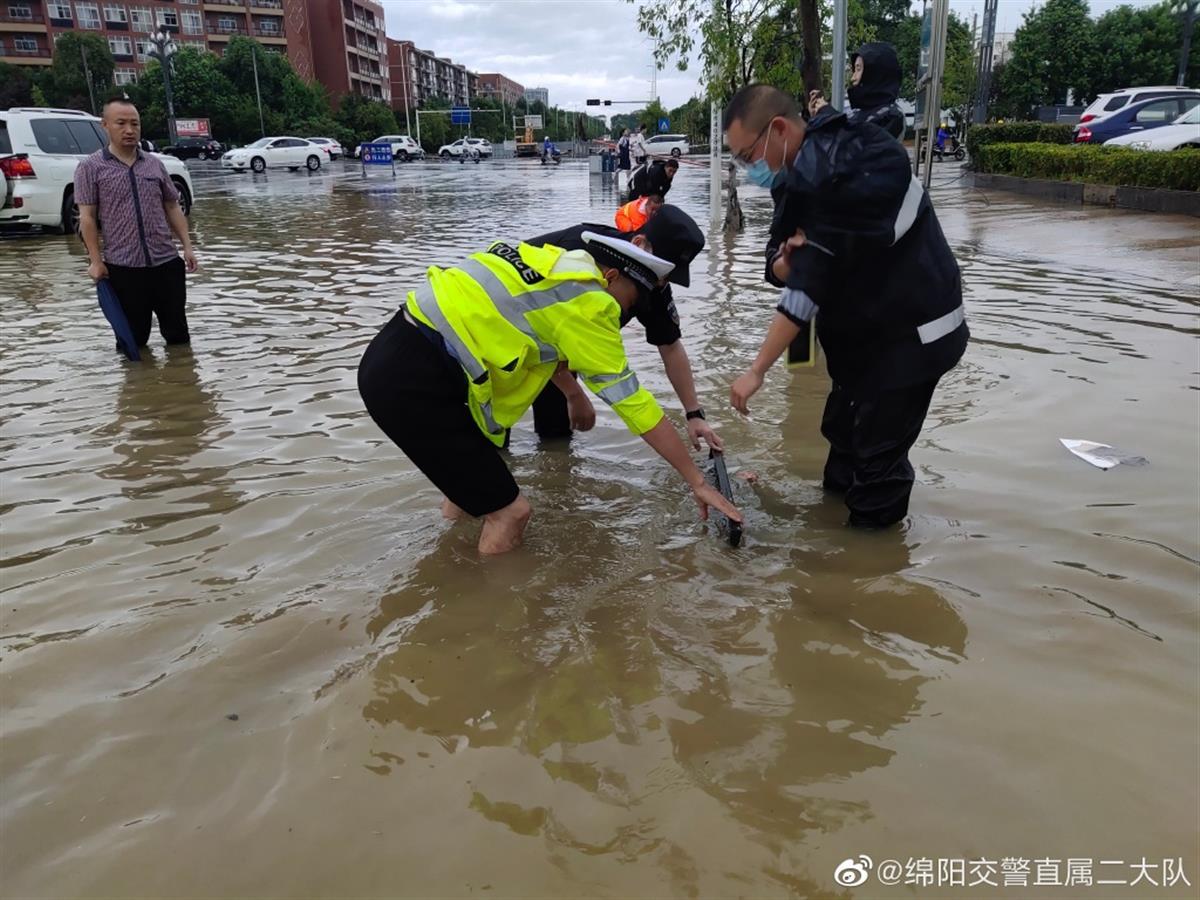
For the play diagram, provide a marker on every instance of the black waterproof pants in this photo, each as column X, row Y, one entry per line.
column 161, row 290
column 870, row 434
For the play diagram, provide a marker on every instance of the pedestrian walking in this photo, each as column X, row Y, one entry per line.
column 128, row 211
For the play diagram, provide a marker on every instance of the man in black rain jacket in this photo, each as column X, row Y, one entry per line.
column 864, row 247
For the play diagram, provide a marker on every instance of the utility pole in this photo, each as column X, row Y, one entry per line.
column 262, row 129
column 933, row 90
column 1189, row 22
column 837, row 66
column 87, row 75
column 983, row 75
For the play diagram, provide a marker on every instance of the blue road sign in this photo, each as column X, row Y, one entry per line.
column 460, row 115
column 664, row 124
column 377, row 154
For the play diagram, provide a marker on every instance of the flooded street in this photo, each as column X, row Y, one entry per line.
column 242, row 655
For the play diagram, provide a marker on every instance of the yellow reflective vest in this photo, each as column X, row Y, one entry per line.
column 509, row 315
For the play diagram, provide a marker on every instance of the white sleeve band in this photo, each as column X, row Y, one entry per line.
column 797, row 304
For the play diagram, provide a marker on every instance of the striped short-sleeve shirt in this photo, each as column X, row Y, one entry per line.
column 131, row 204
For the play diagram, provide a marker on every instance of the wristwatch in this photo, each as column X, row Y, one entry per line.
column 697, row 413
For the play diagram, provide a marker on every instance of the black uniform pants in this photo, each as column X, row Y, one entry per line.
column 417, row 395
column 869, row 437
column 161, row 290
column 551, row 418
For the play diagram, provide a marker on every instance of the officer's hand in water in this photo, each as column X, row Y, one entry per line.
column 699, row 430
column 781, row 267
column 744, row 387
column 706, row 495
column 581, row 411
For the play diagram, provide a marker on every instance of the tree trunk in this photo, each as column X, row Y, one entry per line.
column 810, row 32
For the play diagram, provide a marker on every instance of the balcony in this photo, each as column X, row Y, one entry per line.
column 223, row 31
column 38, row 56
column 267, row 4
column 34, row 23
column 274, row 35
column 225, row 6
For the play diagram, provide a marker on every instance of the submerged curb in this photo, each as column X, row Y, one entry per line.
column 1186, row 203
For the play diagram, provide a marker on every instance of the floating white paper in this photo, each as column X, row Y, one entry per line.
column 1102, row 456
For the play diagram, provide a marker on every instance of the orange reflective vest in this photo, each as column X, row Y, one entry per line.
column 632, row 215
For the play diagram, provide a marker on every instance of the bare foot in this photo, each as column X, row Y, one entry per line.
column 451, row 511
column 503, row 529
column 747, row 476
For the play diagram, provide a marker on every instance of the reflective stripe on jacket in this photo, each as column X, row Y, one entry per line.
column 512, row 313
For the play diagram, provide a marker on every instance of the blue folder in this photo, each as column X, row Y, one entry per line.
column 110, row 305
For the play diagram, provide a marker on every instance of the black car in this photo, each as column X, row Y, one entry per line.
column 195, row 148
column 1136, row 117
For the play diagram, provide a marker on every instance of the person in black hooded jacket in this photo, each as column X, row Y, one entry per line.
column 862, row 245
column 874, row 87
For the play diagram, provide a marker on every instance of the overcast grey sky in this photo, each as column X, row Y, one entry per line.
column 582, row 48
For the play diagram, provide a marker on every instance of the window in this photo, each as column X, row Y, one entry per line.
column 143, row 50
column 1159, row 111
column 168, row 18
column 25, row 44
column 199, row 45
column 52, row 136
column 60, row 10
column 115, row 14
column 141, row 20
column 120, row 46
column 89, row 15
column 124, row 76
column 20, row 12
column 87, row 137
column 1116, row 102
column 193, row 23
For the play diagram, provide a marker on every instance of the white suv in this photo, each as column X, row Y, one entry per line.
column 39, row 150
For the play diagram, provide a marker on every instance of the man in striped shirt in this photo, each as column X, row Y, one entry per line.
column 127, row 195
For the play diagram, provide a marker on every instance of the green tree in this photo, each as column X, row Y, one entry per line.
column 1136, row 47
column 1053, row 55
column 65, row 82
column 740, row 41
column 361, row 119
column 16, row 87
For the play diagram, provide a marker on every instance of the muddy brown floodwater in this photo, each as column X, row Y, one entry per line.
column 242, row 655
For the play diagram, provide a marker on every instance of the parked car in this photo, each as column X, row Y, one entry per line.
column 404, row 148
column 39, row 150
column 466, row 146
column 669, row 144
column 195, row 148
column 275, row 153
column 1183, row 132
column 1136, row 118
column 1107, row 104
column 329, row 145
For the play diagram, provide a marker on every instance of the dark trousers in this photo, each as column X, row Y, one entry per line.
column 869, row 437
column 161, row 290
column 550, row 416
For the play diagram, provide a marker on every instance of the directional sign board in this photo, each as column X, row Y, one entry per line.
column 460, row 115
column 664, row 125
column 377, row 154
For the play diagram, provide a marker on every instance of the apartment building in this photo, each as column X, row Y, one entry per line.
column 495, row 86
column 538, row 95
column 348, row 47
column 340, row 43
column 417, row 75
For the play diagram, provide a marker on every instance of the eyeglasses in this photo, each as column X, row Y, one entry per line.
column 743, row 159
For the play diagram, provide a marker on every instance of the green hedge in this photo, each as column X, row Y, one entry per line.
column 1018, row 133
column 1095, row 164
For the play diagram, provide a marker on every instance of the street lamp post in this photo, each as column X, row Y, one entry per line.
column 165, row 48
